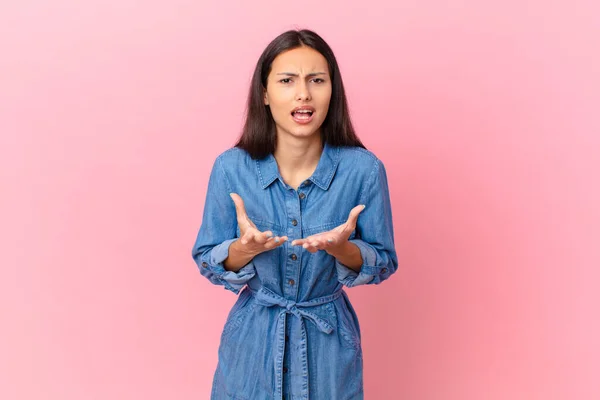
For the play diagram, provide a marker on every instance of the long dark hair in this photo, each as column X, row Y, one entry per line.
column 259, row 136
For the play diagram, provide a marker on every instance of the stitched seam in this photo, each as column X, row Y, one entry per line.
column 219, row 161
column 262, row 181
column 334, row 168
column 369, row 182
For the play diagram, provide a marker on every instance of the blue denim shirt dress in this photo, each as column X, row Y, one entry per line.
column 292, row 332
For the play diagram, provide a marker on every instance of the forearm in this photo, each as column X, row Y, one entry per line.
column 349, row 255
column 237, row 257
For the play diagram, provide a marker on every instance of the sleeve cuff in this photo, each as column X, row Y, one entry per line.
column 369, row 272
column 233, row 281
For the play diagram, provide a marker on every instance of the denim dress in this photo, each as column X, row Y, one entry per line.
column 293, row 333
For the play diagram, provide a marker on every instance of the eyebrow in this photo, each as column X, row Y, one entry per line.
column 292, row 74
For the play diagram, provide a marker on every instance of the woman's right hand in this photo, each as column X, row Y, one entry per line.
column 252, row 241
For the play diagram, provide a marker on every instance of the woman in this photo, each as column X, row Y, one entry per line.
column 295, row 211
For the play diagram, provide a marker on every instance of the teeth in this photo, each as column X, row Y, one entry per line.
column 304, row 111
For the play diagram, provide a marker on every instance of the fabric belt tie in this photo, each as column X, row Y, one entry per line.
column 268, row 298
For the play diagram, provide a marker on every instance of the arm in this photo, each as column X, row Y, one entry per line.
column 349, row 255
column 217, row 236
column 375, row 236
column 237, row 257
column 221, row 257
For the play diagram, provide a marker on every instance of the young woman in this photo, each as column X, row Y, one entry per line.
column 294, row 212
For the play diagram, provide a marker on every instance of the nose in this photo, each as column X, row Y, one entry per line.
column 303, row 93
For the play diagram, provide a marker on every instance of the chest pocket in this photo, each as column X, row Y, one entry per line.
column 263, row 226
column 313, row 230
column 279, row 230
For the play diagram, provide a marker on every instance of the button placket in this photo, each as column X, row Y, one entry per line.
column 294, row 230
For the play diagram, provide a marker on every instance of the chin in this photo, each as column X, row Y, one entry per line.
column 303, row 133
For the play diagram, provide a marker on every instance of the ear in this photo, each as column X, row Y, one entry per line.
column 265, row 97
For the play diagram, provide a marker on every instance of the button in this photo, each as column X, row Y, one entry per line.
column 384, row 270
column 294, row 257
column 205, row 265
column 292, row 282
column 302, row 195
column 285, row 370
column 294, row 222
column 307, row 182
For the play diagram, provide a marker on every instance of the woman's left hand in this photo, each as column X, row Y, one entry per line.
column 333, row 240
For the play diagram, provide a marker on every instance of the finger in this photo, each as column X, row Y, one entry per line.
column 240, row 208
column 270, row 243
column 262, row 237
column 257, row 237
column 298, row 242
column 331, row 241
column 275, row 242
column 316, row 243
column 353, row 217
column 310, row 248
column 247, row 237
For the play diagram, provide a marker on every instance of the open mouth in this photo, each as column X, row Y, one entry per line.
column 303, row 115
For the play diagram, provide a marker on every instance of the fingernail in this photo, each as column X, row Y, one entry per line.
column 269, row 235
column 276, row 240
column 330, row 240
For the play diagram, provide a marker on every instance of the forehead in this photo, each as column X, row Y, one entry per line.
column 301, row 59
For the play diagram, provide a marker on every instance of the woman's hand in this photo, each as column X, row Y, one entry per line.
column 334, row 241
column 252, row 241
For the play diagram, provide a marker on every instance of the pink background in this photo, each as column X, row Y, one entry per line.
column 486, row 114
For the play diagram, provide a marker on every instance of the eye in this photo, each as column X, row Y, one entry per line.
column 285, row 80
column 318, row 80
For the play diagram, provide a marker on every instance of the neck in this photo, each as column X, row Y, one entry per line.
column 296, row 158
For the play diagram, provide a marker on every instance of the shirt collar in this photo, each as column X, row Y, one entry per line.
column 268, row 171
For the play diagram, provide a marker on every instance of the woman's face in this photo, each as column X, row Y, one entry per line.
column 298, row 92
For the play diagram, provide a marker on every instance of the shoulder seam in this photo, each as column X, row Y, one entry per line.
column 370, row 179
column 363, row 151
column 220, row 163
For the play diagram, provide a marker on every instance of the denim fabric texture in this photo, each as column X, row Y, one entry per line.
column 293, row 333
